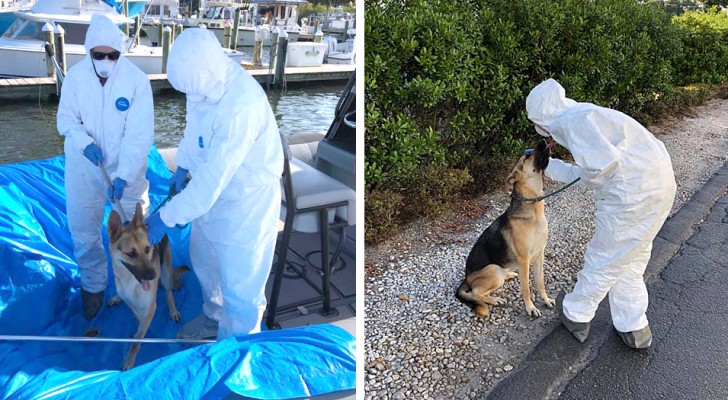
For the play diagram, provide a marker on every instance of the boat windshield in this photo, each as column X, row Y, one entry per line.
column 14, row 27
column 23, row 29
column 215, row 13
column 158, row 10
column 74, row 33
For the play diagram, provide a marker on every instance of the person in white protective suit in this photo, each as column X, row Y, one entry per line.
column 634, row 187
column 106, row 114
column 233, row 154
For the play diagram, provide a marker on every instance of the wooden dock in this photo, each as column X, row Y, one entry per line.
column 44, row 87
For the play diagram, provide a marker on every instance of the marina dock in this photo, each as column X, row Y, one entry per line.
column 44, row 87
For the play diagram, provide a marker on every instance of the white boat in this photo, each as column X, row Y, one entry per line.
column 22, row 52
column 269, row 14
column 338, row 22
column 263, row 14
column 335, row 22
column 164, row 12
column 340, row 52
column 8, row 8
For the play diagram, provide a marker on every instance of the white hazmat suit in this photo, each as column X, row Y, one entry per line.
column 634, row 187
column 232, row 149
column 119, row 118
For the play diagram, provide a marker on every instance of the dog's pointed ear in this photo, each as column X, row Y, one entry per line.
column 114, row 226
column 511, row 181
column 138, row 220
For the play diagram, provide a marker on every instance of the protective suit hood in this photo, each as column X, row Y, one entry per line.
column 102, row 32
column 198, row 65
column 547, row 101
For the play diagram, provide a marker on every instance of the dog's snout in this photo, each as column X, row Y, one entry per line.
column 149, row 275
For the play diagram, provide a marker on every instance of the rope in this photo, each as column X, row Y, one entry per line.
column 539, row 198
column 108, row 182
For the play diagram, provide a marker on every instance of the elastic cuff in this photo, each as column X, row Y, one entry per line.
column 165, row 218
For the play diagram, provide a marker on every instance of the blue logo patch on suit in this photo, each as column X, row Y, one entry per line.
column 122, row 104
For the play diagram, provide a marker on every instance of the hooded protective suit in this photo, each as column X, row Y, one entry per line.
column 634, row 187
column 119, row 118
column 232, row 149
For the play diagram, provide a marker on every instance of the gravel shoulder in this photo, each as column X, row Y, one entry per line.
column 420, row 342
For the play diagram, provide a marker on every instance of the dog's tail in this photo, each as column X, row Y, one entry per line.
column 464, row 294
column 177, row 273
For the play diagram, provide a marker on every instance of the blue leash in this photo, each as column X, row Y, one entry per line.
column 539, row 198
column 172, row 193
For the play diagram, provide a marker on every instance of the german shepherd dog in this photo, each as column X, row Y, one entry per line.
column 137, row 270
column 513, row 241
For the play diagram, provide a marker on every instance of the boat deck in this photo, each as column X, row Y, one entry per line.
column 302, row 282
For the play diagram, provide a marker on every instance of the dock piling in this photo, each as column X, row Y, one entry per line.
column 280, row 61
column 126, row 14
column 273, row 55
column 258, row 48
column 316, row 30
column 48, row 35
column 160, row 27
column 138, row 27
column 60, row 34
column 166, row 44
column 226, row 35
column 236, row 24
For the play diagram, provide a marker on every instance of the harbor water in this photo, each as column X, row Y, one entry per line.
column 28, row 127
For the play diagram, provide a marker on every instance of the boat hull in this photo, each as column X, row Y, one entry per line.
column 29, row 58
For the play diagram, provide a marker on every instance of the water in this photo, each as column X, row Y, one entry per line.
column 28, row 128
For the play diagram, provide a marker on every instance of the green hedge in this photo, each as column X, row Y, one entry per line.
column 446, row 81
column 705, row 39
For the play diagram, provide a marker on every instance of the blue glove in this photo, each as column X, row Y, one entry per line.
column 179, row 179
column 93, row 153
column 117, row 189
column 156, row 228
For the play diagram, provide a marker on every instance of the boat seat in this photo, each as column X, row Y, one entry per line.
column 311, row 202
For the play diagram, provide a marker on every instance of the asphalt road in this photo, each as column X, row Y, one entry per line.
column 688, row 286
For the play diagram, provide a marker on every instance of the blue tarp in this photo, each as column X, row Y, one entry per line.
column 135, row 7
column 39, row 295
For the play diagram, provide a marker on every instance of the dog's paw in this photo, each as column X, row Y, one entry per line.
column 174, row 314
column 114, row 301
column 498, row 301
column 511, row 275
column 549, row 302
column 532, row 311
column 128, row 363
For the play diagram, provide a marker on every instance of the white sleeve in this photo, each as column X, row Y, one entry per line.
column 561, row 171
column 187, row 146
column 138, row 133
column 233, row 136
column 68, row 117
column 593, row 153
